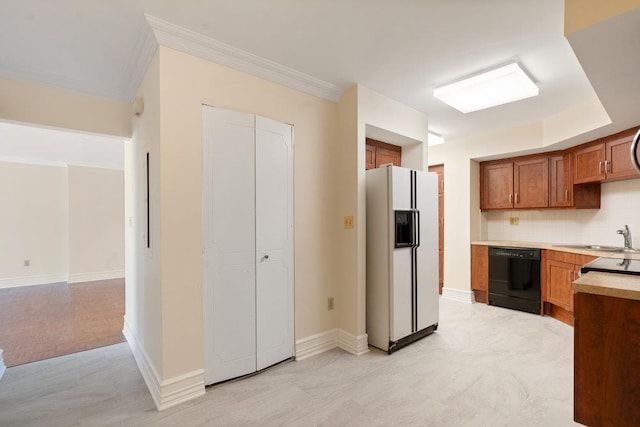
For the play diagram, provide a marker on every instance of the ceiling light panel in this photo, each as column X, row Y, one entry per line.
column 496, row 87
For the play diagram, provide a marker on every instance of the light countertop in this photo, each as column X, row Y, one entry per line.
column 556, row 247
column 609, row 284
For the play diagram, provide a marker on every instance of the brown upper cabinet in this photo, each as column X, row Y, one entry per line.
column 560, row 181
column 519, row 184
column 562, row 192
column 380, row 153
column 605, row 159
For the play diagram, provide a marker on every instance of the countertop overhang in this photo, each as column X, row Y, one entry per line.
column 608, row 284
column 557, row 247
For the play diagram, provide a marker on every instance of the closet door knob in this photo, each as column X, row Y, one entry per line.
column 265, row 257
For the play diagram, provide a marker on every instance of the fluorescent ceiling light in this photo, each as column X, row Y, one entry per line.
column 433, row 139
column 496, row 87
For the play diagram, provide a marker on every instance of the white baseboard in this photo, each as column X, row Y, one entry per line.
column 97, row 275
column 2, row 365
column 165, row 393
column 357, row 345
column 316, row 344
column 319, row 343
column 458, row 295
column 14, row 282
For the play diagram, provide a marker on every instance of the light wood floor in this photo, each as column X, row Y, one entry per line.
column 44, row 321
column 485, row 366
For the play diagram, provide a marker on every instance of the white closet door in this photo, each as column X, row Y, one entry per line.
column 274, row 242
column 229, row 244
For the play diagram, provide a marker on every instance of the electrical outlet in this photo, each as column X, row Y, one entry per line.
column 514, row 220
column 330, row 303
column 27, row 263
column 348, row 222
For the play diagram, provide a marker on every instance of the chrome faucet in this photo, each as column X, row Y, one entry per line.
column 626, row 233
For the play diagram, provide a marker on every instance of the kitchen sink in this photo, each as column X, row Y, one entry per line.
column 600, row 248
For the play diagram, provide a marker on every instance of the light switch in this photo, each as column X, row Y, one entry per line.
column 514, row 220
column 348, row 222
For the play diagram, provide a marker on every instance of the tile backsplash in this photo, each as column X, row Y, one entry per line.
column 620, row 205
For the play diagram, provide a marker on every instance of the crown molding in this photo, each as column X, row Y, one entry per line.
column 146, row 47
column 57, row 81
column 192, row 43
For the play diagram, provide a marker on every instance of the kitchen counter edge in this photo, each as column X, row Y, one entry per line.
column 556, row 247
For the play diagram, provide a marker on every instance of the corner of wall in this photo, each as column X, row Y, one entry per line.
column 319, row 343
column 165, row 393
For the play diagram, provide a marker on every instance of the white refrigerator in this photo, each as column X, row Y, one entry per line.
column 402, row 256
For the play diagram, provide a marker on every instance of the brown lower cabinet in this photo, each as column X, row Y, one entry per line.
column 559, row 270
column 480, row 272
column 606, row 361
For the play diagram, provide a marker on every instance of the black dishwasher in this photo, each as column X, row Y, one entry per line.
column 514, row 278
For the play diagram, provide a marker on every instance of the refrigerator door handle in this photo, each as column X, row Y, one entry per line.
column 416, row 229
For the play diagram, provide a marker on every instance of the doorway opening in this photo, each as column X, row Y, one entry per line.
column 62, row 262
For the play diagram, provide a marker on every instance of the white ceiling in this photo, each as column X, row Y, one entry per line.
column 402, row 49
column 45, row 146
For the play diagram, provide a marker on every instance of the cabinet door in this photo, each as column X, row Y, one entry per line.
column 589, row 164
column 560, row 181
column 559, row 278
column 385, row 156
column 274, row 242
column 531, row 183
column 496, row 186
column 480, row 272
column 618, row 164
column 370, row 157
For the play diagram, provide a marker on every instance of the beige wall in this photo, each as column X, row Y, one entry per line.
column 45, row 106
column 186, row 83
column 579, row 14
column 96, row 223
column 143, row 299
column 33, row 224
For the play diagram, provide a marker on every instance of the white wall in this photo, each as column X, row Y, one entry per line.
column 620, row 205
column 96, row 224
column 143, row 292
column 67, row 221
column 33, row 224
